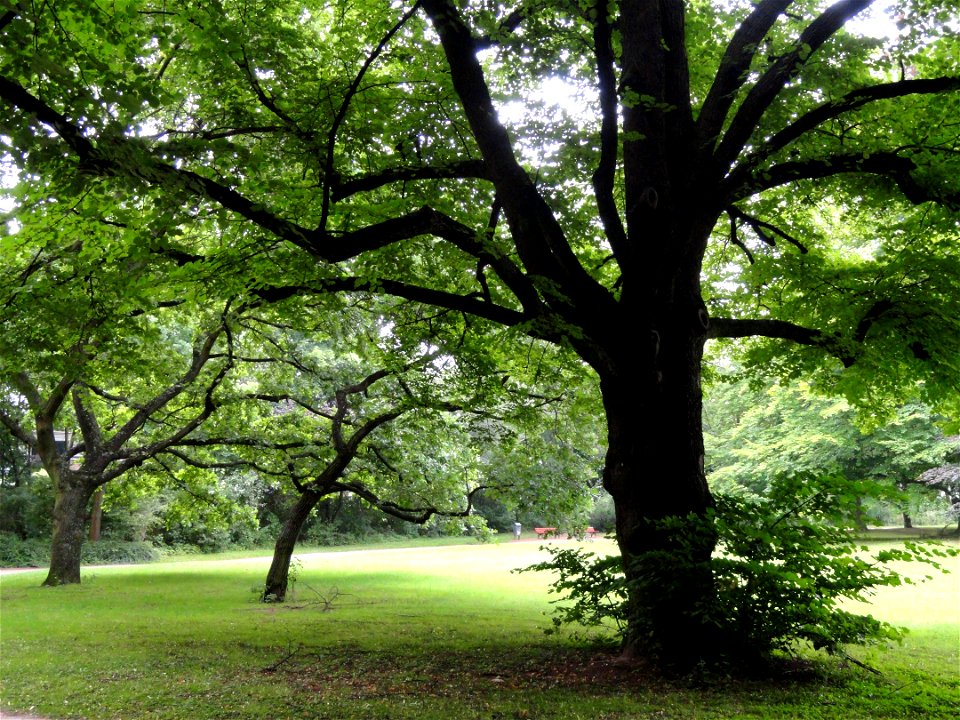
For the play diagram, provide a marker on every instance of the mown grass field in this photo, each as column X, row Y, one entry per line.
column 429, row 632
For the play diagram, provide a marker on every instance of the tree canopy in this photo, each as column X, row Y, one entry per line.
column 742, row 171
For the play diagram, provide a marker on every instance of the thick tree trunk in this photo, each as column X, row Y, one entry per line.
column 69, row 521
column 275, row 587
column 655, row 470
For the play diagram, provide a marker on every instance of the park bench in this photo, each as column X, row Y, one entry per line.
column 545, row 532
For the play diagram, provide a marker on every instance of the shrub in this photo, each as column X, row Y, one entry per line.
column 15, row 552
column 593, row 589
column 783, row 565
column 206, row 539
column 27, row 509
column 116, row 552
column 603, row 517
column 328, row 536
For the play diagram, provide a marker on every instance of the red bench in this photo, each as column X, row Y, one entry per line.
column 546, row 532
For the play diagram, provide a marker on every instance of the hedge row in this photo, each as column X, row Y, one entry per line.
column 15, row 552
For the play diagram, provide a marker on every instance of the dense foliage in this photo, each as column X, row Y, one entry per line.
column 757, row 429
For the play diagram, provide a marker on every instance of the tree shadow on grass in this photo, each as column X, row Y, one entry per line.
column 597, row 671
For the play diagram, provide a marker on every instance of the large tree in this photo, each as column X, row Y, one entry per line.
column 414, row 149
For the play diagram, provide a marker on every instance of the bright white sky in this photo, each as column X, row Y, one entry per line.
column 877, row 22
column 8, row 177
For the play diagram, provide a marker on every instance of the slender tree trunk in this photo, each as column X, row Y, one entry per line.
column 96, row 515
column 69, row 520
column 859, row 515
column 275, row 587
column 904, row 513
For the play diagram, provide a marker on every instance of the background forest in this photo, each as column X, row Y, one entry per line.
column 755, row 431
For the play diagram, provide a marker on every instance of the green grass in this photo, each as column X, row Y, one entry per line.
column 429, row 632
column 374, row 543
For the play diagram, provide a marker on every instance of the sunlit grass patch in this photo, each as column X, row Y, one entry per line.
column 419, row 633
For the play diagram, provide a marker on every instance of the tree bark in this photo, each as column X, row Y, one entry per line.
column 275, row 587
column 69, row 520
column 655, row 471
column 96, row 515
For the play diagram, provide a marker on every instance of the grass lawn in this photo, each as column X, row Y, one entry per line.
column 428, row 632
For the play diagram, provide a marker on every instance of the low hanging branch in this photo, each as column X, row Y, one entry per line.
column 895, row 166
column 846, row 350
column 365, row 183
column 780, row 329
column 735, row 237
column 761, row 228
column 418, row 515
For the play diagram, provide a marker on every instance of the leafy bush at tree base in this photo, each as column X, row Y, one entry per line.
column 782, row 566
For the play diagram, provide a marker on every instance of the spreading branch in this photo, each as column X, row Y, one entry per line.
column 201, row 356
column 327, row 247
column 338, row 120
column 365, row 183
column 468, row 305
column 17, row 429
column 213, row 133
column 506, row 26
column 778, row 329
column 539, row 239
column 851, row 101
column 890, row 165
column 772, row 82
column 846, row 351
column 134, row 457
column 604, row 176
column 264, row 99
column 127, row 157
column 735, row 66
column 763, row 230
column 735, row 238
